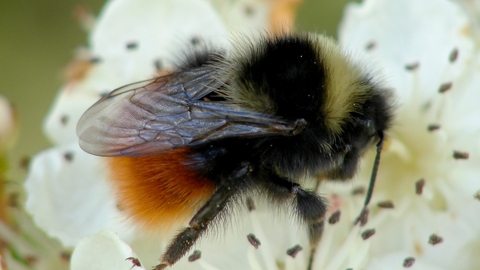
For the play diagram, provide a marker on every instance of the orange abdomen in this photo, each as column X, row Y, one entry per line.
column 159, row 192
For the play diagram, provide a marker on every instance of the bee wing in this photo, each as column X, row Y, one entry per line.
column 159, row 115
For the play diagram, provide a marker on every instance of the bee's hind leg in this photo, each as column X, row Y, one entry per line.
column 199, row 224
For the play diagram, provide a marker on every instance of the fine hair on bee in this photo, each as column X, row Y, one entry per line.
column 252, row 120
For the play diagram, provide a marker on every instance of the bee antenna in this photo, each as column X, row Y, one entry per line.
column 363, row 217
column 376, row 164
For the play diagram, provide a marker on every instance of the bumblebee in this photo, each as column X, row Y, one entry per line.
column 188, row 146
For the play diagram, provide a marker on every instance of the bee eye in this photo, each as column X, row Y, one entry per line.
column 366, row 128
column 368, row 123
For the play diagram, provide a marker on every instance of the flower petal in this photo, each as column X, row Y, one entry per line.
column 139, row 37
column 397, row 33
column 68, row 200
column 244, row 16
column 104, row 251
column 129, row 43
column 69, row 105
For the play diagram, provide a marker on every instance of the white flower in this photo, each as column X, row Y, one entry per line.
column 104, row 251
column 427, row 51
column 426, row 54
column 17, row 250
column 121, row 52
column 68, row 192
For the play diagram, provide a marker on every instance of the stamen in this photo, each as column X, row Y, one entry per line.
column 435, row 239
column 385, row 204
column 477, row 195
column 68, row 156
column 408, row 262
column 158, row 64
column 266, row 250
column 194, row 41
column 412, row 66
column 360, row 190
column 64, row 119
column 433, row 127
column 292, row 252
column 131, row 45
column 370, row 45
column 368, row 233
column 197, row 254
column 335, row 217
column 460, row 155
column 250, row 204
column 95, row 60
column 453, row 55
column 119, row 207
column 419, row 186
column 445, row 87
column 253, row 240
column 249, row 10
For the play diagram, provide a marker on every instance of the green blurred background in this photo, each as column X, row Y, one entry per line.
column 38, row 39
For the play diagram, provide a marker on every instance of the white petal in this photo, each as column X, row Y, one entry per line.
column 225, row 246
column 103, row 251
column 75, row 98
column 395, row 260
column 461, row 111
column 408, row 232
column 69, row 105
column 245, row 16
column 409, row 31
column 68, row 194
column 159, row 30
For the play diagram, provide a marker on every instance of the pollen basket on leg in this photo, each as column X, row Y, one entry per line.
column 159, row 192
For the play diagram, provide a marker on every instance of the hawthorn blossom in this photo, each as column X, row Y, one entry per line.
column 423, row 212
column 429, row 174
column 69, row 195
